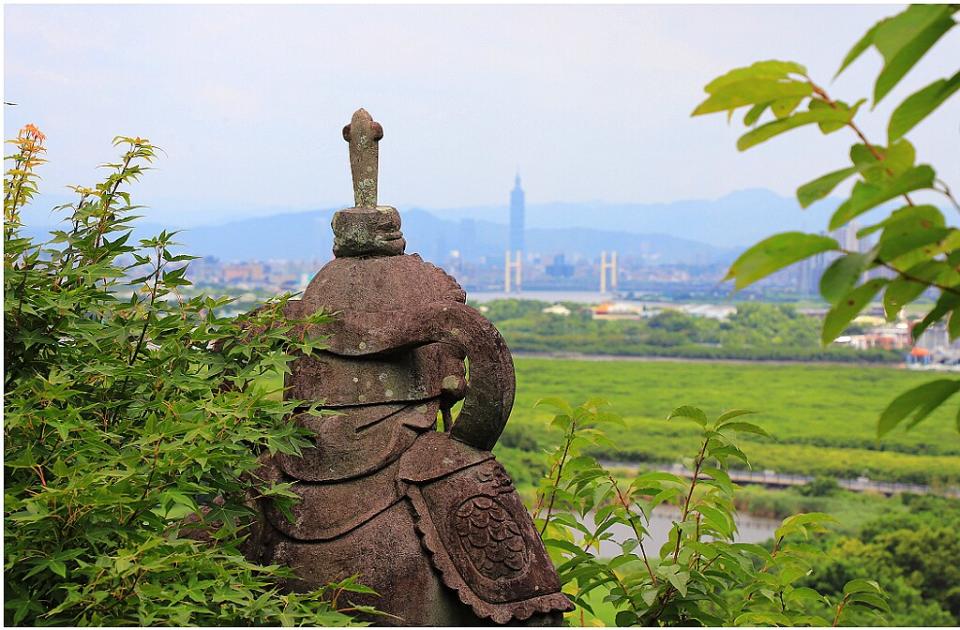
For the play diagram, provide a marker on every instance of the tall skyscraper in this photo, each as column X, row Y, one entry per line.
column 516, row 217
column 847, row 237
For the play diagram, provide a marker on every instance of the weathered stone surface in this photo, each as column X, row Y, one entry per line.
column 479, row 534
column 429, row 520
column 364, row 135
column 367, row 232
column 358, row 441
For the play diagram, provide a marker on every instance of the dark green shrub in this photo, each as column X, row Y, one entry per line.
column 129, row 409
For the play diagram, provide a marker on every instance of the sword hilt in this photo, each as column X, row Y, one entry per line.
column 363, row 133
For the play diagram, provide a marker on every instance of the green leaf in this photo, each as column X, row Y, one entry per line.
column 798, row 523
column 948, row 241
column 676, row 577
column 751, row 91
column 656, row 475
column 762, row 618
column 690, row 413
column 861, row 586
column 918, row 402
column 904, row 39
column 953, row 325
column 719, row 478
column 776, row 127
column 806, row 594
column 730, row 414
column 947, row 301
column 557, row 403
column 784, row 107
column 754, row 113
column 842, row 275
column 902, row 291
column 871, row 599
column 839, row 107
column 894, row 160
column 919, row 105
column 910, row 228
column 866, row 196
column 744, row 427
column 58, row 567
column 775, row 253
column 771, row 69
column 626, row 618
column 729, row 450
column 865, row 42
column 822, row 186
column 848, row 307
column 717, row 519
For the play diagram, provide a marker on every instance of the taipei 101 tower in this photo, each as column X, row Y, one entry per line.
column 516, row 218
column 513, row 261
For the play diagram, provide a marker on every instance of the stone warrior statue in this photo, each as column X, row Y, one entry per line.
column 428, row 519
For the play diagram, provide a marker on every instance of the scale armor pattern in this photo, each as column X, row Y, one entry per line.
column 490, row 537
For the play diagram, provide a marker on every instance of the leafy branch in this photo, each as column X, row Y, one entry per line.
column 701, row 576
column 916, row 252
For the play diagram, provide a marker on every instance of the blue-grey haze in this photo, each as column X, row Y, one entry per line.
column 590, row 102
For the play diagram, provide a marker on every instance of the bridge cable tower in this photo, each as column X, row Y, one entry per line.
column 515, row 266
column 611, row 267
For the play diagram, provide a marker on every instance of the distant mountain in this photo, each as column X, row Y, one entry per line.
column 307, row 235
column 735, row 220
column 693, row 231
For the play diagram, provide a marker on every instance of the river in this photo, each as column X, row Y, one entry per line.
column 750, row 529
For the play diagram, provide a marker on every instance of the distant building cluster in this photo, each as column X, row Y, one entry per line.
column 519, row 269
column 621, row 279
column 274, row 275
column 804, row 277
column 646, row 310
column 933, row 350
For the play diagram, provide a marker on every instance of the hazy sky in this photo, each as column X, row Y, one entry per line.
column 591, row 103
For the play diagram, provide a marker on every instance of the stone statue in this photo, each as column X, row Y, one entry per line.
column 429, row 519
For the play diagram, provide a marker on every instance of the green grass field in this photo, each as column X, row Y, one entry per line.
column 822, row 417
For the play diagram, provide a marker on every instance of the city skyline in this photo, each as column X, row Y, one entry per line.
column 592, row 103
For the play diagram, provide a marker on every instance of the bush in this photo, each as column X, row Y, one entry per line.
column 912, row 553
column 820, row 487
column 133, row 424
column 701, row 576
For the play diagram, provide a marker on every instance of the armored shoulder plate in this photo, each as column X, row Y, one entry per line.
column 479, row 535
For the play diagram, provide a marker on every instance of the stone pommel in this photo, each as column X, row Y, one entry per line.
column 367, row 229
column 364, row 133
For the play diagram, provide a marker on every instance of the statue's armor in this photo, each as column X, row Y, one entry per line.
column 428, row 519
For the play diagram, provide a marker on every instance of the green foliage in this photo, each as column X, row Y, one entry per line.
column 700, row 576
column 133, row 424
column 920, row 105
column 902, row 40
column 918, row 402
column 775, row 253
column 831, row 433
column 911, row 552
column 820, row 487
column 917, row 250
column 755, row 331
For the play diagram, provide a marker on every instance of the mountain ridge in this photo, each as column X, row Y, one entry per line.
column 682, row 231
